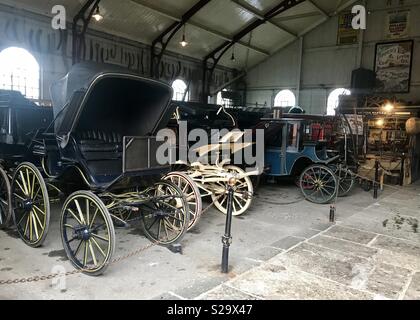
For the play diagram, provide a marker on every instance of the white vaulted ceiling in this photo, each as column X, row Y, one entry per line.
column 217, row 22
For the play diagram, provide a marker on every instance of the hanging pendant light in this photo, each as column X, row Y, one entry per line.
column 97, row 15
column 183, row 42
column 232, row 58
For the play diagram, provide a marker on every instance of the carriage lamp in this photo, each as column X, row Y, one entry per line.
column 97, row 15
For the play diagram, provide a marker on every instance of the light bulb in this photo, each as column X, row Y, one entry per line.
column 97, row 16
column 184, row 42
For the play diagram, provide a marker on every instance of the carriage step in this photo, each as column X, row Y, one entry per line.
column 175, row 248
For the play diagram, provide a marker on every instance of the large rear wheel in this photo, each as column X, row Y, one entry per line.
column 318, row 184
column 5, row 200
column 30, row 204
column 166, row 215
column 87, row 232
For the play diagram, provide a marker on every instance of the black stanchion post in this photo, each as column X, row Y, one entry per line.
column 402, row 170
column 376, row 183
column 227, row 237
column 332, row 213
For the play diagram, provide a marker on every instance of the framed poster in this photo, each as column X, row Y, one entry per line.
column 346, row 33
column 356, row 124
column 398, row 23
column 393, row 66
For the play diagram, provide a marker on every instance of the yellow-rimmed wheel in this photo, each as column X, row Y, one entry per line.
column 5, row 200
column 166, row 215
column 30, row 204
column 87, row 232
column 242, row 196
column 191, row 193
column 318, row 184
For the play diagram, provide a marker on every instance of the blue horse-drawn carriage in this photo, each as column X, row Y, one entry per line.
column 296, row 145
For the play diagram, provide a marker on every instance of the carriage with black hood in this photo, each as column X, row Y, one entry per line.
column 97, row 150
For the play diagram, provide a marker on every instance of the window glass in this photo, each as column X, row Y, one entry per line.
column 180, row 87
column 19, row 71
column 334, row 99
column 285, row 98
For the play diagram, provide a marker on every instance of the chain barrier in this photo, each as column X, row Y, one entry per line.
column 79, row 271
column 76, row 271
column 152, row 244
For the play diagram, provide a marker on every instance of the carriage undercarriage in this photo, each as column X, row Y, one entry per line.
column 88, row 218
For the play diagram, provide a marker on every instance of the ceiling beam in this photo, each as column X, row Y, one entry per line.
column 160, row 43
column 297, row 16
column 317, row 7
column 324, row 19
column 213, row 32
column 212, row 59
column 252, row 10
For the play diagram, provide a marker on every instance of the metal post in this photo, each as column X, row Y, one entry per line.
column 402, row 170
column 332, row 213
column 375, row 184
column 227, row 237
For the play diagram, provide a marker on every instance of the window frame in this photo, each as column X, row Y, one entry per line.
column 284, row 91
column 35, row 91
column 187, row 96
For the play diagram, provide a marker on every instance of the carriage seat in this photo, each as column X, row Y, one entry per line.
column 100, row 145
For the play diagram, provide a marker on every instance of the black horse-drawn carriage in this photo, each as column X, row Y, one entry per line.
column 97, row 148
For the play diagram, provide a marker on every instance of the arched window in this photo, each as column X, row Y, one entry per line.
column 334, row 99
column 180, row 87
column 220, row 101
column 19, row 71
column 285, row 98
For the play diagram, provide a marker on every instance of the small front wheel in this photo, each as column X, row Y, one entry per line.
column 318, row 184
column 87, row 232
column 346, row 180
column 242, row 197
column 191, row 193
column 165, row 215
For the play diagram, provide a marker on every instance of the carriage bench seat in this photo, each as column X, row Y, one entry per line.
column 100, row 145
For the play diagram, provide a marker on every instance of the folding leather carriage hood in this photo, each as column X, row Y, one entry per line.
column 109, row 96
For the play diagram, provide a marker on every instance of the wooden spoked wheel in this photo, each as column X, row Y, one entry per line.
column 191, row 194
column 5, row 199
column 166, row 216
column 30, row 204
column 242, row 196
column 87, row 232
column 318, row 184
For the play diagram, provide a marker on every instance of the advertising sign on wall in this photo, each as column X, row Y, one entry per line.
column 393, row 66
column 346, row 33
column 398, row 24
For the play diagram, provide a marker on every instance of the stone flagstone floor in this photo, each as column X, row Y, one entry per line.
column 373, row 254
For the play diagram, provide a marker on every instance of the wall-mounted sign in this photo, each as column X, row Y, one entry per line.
column 398, row 24
column 393, row 66
column 356, row 124
column 346, row 33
